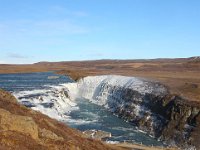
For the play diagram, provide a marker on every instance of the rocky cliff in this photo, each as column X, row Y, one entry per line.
column 182, row 117
column 25, row 129
column 146, row 104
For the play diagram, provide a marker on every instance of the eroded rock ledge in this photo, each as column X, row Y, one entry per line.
column 183, row 119
column 97, row 134
column 25, row 129
column 148, row 105
column 180, row 119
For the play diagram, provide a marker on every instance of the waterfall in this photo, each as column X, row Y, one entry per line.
column 123, row 96
column 53, row 101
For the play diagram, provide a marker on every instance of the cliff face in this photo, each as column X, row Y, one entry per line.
column 181, row 119
column 25, row 129
column 146, row 104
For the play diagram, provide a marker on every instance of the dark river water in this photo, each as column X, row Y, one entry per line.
column 88, row 116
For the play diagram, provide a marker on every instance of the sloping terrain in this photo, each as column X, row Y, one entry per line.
column 146, row 104
column 25, row 129
column 181, row 76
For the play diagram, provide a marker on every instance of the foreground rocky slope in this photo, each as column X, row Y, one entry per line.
column 146, row 104
column 25, row 129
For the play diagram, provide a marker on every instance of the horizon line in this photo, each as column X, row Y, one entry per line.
column 103, row 59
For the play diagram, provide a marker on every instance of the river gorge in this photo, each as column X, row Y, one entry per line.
column 134, row 110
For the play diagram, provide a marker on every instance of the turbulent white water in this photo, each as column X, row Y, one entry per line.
column 121, row 95
column 98, row 88
column 80, row 104
column 115, row 93
column 91, row 102
column 52, row 101
column 90, row 84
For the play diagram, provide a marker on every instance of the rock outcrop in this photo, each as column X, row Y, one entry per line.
column 97, row 134
column 18, row 123
column 182, row 117
column 148, row 105
column 25, row 129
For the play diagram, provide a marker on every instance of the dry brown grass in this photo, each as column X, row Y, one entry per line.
column 71, row 138
column 180, row 75
column 16, row 139
column 141, row 147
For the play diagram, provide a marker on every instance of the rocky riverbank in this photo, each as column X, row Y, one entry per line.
column 182, row 119
column 179, row 120
column 148, row 105
column 97, row 134
column 25, row 129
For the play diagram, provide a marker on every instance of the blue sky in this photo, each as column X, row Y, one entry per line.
column 63, row 30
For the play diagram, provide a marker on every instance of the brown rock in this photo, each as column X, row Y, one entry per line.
column 24, row 129
column 44, row 133
column 23, row 124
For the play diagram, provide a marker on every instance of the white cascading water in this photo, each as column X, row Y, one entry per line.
column 53, row 101
column 120, row 95
column 130, row 98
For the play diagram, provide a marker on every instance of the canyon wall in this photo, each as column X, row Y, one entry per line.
column 146, row 104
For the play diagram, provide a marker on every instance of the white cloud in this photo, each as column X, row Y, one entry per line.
column 16, row 56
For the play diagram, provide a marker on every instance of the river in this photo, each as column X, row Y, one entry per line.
column 37, row 90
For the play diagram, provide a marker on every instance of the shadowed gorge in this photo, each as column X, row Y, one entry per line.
column 146, row 104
